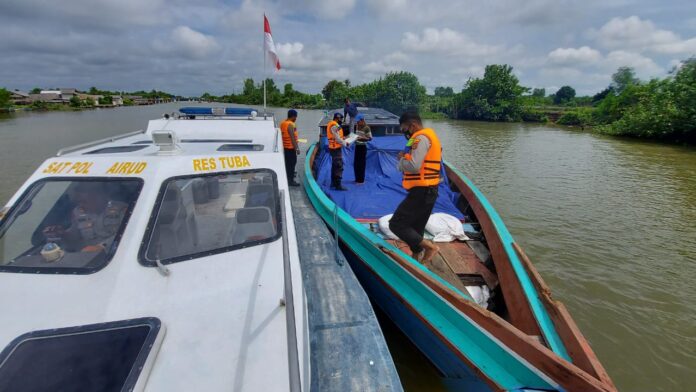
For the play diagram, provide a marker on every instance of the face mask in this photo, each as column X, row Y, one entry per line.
column 407, row 133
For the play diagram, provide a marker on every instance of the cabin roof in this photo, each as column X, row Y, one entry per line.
column 373, row 116
column 195, row 137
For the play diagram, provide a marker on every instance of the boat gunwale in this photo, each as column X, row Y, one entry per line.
column 526, row 311
column 577, row 348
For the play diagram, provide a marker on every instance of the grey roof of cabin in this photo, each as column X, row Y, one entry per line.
column 373, row 116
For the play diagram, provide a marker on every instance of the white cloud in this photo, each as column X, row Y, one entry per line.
column 474, row 71
column 638, row 34
column 99, row 15
column 325, row 9
column 290, row 49
column 297, row 56
column 573, row 56
column 189, row 43
column 249, row 14
column 378, row 67
column 445, row 41
column 292, row 56
column 396, row 57
column 645, row 67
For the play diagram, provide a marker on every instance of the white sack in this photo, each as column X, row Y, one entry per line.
column 445, row 228
column 480, row 294
column 384, row 227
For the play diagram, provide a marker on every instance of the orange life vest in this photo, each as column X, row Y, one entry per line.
column 333, row 144
column 429, row 174
column 284, row 129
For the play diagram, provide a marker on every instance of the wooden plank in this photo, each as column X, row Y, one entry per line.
column 519, row 310
column 463, row 261
column 437, row 265
column 578, row 347
column 566, row 374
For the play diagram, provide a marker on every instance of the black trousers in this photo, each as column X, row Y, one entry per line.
column 359, row 162
column 411, row 216
column 336, row 166
column 290, row 162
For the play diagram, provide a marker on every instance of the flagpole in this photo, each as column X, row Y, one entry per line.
column 264, row 66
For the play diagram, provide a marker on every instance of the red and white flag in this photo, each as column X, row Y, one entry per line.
column 269, row 46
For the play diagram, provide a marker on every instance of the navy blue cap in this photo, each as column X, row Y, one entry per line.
column 292, row 113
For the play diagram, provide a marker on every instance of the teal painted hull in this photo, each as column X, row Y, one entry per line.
column 478, row 349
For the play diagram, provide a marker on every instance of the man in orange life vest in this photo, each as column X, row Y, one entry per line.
column 289, row 133
column 334, row 132
column 421, row 168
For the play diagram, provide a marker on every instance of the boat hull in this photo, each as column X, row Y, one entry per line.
column 456, row 372
column 464, row 341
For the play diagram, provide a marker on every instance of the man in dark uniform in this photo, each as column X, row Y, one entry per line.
column 350, row 110
column 421, row 166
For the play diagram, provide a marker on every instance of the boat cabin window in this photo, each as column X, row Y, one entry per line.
column 201, row 215
column 67, row 226
column 97, row 357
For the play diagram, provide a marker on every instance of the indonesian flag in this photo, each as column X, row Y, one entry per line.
column 269, row 46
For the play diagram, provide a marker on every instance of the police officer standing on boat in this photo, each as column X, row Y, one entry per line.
column 290, row 147
column 334, row 132
column 421, row 167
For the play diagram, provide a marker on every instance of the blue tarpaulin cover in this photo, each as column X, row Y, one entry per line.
column 382, row 191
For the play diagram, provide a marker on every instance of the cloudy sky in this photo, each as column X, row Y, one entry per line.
column 190, row 47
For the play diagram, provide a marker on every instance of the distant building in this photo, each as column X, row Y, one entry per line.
column 94, row 98
column 138, row 100
column 117, row 100
column 68, row 93
column 48, row 97
column 20, row 98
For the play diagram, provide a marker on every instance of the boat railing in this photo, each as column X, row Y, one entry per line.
column 293, row 355
column 78, row 147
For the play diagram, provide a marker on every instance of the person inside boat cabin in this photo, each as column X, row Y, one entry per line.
column 290, row 146
column 93, row 222
column 334, row 132
column 421, row 168
column 364, row 135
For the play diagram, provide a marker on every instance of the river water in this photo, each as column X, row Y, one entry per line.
column 610, row 224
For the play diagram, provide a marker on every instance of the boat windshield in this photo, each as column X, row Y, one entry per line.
column 201, row 215
column 66, row 225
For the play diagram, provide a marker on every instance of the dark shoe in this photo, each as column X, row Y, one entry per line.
column 340, row 188
column 293, row 183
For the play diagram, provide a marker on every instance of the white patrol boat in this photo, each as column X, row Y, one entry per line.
column 159, row 260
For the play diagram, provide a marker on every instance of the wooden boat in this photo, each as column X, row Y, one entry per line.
column 521, row 339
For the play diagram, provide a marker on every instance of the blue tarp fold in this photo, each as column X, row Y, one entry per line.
column 382, row 191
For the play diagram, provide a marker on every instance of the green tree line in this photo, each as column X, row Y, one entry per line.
column 658, row 109
column 396, row 92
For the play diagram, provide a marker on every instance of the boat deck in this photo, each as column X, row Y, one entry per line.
column 348, row 350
